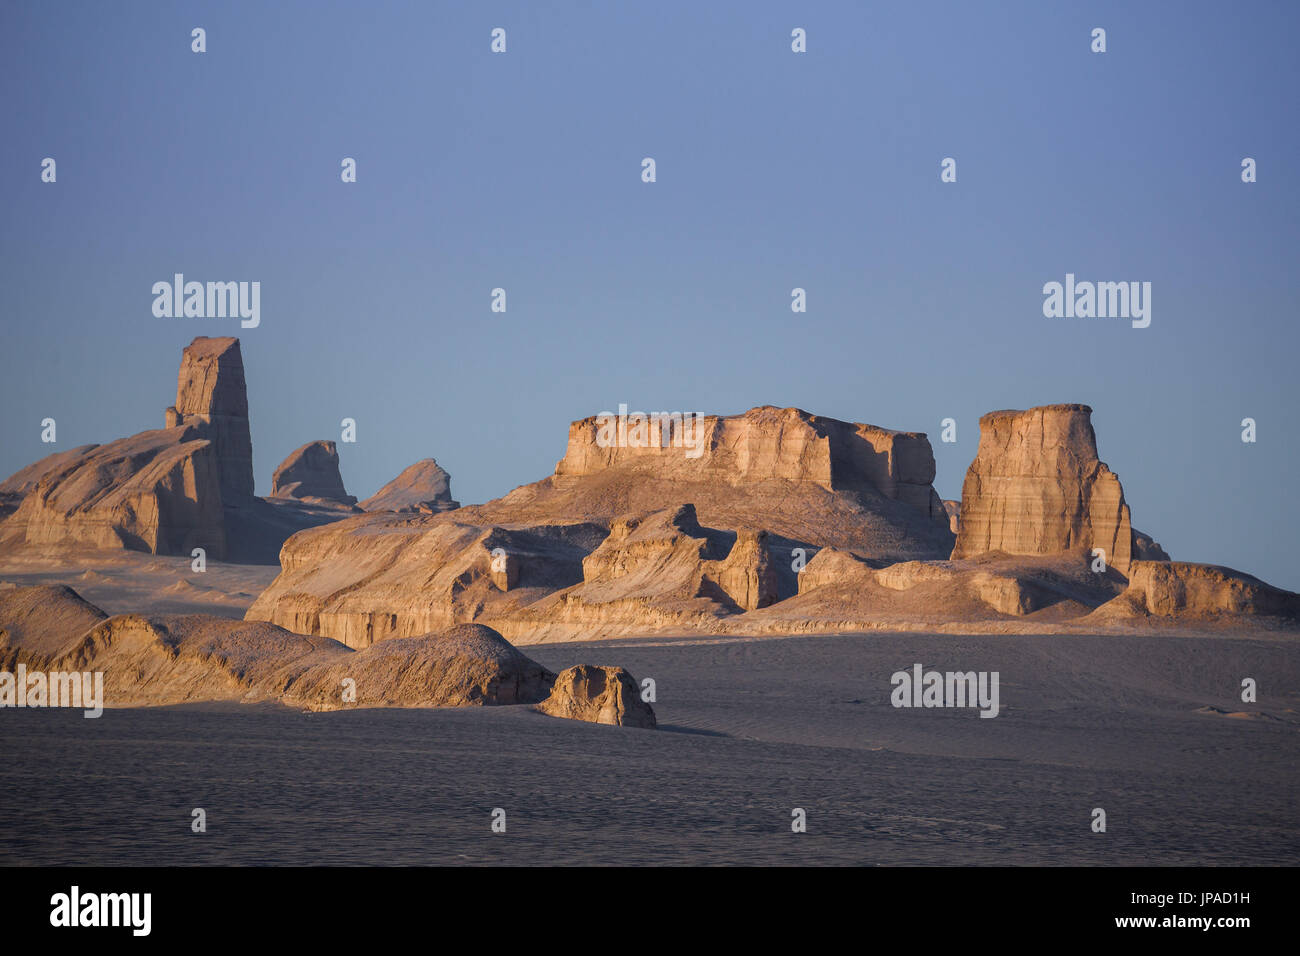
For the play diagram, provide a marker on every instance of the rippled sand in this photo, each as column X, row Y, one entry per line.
column 1149, row 728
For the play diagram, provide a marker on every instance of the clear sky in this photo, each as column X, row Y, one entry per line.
column 775, row 170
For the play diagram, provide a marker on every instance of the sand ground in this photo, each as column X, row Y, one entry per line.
column 750, row 728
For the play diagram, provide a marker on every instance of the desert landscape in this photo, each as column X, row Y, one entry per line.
column 738, row 607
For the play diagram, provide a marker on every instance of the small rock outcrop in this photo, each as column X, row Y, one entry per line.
column 462, row 666
column 311, row 473
column 1182, row 588
column 1036, row 486
column 954, row 514
column 599, row 695
column 1146, row 548
column 424, row 487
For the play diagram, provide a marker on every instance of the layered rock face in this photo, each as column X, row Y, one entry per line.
column 311, row 473
column 763, row 444
column 599, row 695
column 424, row 486
column 212, row 396
column 1036, row 486
column 390, row 575
column 158, row 491
column 623, row 538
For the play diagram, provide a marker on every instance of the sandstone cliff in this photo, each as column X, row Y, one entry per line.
column 158, row 491
column 623, row 538
column 766, row 444
column 211, row 396
column 1036, row 486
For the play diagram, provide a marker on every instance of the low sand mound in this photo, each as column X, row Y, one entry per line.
column 466, row 665
column 40, row 623
column 600, row 695
column 171, row 659
column 175, row 659
column 1180, row 589
column 839, row 590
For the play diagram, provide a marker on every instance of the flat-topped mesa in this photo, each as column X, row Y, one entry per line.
column 1036, row 486
column 762, row 444
column 311, row 473
column 211, row 394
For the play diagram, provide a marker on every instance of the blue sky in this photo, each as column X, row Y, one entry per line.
column 775, row 170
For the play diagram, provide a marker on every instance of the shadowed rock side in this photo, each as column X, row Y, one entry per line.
column 599, row 695
column 1036, row 486
column 165, row 491
column 1146, row 548
column 212, row 397
column 311, row 473
column 171, row 659
column 424, row 486
column 627, row 538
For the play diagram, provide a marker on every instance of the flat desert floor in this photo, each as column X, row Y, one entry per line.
column 1148, row 728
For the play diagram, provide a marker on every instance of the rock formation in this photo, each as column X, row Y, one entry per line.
column 157, row 491
column 623, row 538
column 966, row 589
column 165, row 491
column 1169, row 588
column 767, row 444
column 312, row 474
column 1146, row 548
column 954, row 514
column 424, row 486
column 38, row 624
column 1036, row 486
column 171, row 659
column 599, row 695
column 212, row 396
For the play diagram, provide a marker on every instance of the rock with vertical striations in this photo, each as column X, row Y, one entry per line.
column 1036, row 486
column 212, row 397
